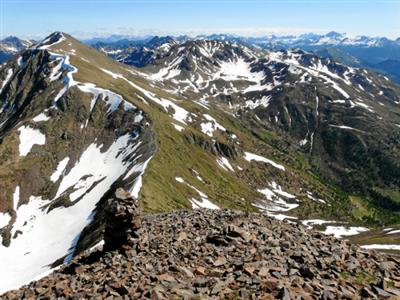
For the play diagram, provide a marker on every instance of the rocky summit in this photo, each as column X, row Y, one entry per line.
column 209, row 254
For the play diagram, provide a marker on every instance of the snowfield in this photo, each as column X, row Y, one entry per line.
column 48, row 235
column 29, row 137
column 238, row 70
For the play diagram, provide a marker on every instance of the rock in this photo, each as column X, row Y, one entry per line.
column 221, row 260
column 367, row 293
column 120, row 193
column 166, row 277
column 217, row 240
column 346, row 293
column 244, row 293
column 285, row 245
column 156, row 293
column 182, row 236
column 217, row 287
column 393, row 291
column 381, row 293
column 200, row 282
column 270, row 285
column 249, row 270
column 200, row 271
column 184, row 293
column 264, row 271
column 284, row 294
column 306, row 273
column 186, row 272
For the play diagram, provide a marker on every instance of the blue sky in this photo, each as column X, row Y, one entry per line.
column 87, row 18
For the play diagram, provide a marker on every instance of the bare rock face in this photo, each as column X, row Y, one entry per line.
column 205, row 254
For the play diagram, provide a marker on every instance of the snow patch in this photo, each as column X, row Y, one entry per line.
column 112, row 99
column 381, row 246
column 340, row 231
column 4, row 220
column 44, row 44
column 60, row 169
column 28, row 137
column 263, row 102
column 345, row 127
column 312, row 222
column 137, row 185
column 310, row 196
column 277, row 201
column 238, row 70
column 178, row 127
column 203, row 203
column 179, row 114
column 41, row 118
column 224, row 163
column 210, row 126
column 250, row 156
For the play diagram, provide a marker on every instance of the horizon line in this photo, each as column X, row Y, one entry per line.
column 193, row 34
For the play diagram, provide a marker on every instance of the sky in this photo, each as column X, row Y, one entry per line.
column 89, row 18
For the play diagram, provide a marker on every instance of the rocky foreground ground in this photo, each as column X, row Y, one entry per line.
column 220, row 254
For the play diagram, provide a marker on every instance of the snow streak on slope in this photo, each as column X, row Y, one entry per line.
column 7, row 79
column 277, row 201
column 250, row 156
column 224, row 163
column 203, row 203
column 60, row 169
column 179, row 114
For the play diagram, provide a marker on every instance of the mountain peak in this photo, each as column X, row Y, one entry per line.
column 158, row 41
column 334, row 34
column 54, row 38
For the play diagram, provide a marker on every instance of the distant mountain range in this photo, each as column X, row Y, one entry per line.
column 10, row 46
column 377, row 53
